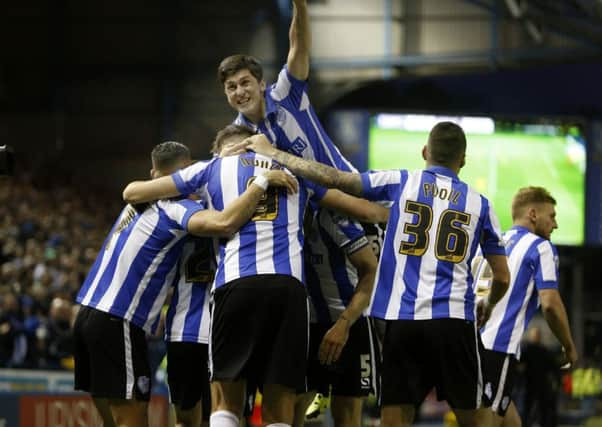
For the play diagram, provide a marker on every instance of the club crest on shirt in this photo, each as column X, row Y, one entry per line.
column 298, row 146
column 281, row 116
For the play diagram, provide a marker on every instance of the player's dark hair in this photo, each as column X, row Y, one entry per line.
column 231, row 131
column 446, row 144
column 166, row 154
column 233, row 64
column 530, row 195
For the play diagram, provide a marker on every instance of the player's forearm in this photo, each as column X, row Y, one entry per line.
column 319, row 173
column 299, row 41
column 147, row 191
column 497, row 291
column 558, row 321
column 366, row 211
column 359, row 302
column 501, row 277
column 227, row 222
column 365, row 263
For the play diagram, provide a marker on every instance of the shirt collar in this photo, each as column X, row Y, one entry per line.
column 521, row 228
column 442, row 170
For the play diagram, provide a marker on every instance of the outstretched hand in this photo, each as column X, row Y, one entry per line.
column 279, row 178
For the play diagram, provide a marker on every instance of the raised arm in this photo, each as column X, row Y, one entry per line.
column 317, row 172
column 299, row 41
column 239, row 211
column 499, row 286
column 555, row 314
column 147, row 191
column 336, row 337
column 357, row 208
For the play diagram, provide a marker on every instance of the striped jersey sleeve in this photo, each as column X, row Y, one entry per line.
column 546, row 269
column 491, row 234
column 189, row 180
column 383, row 185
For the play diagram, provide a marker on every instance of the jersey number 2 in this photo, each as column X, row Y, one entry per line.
column 451, row 240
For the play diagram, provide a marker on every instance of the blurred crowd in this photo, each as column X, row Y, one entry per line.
column 50, row 235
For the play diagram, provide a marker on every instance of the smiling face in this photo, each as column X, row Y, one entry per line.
column 245, row 94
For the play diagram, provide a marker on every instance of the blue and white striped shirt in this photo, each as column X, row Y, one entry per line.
column 292, row 124
column 533, row 264
column 272, row 241
column 435, row 225
column 137, row 263
column 187, row 318
column 331, row 277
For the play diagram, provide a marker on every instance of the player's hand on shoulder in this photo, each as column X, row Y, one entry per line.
column 260, row 144
column 279, row 178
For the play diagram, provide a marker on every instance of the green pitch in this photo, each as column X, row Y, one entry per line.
column 498, row 165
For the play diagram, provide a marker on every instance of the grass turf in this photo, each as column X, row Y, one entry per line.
column 498, row 165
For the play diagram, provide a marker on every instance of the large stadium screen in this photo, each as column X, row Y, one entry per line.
column 501, row 158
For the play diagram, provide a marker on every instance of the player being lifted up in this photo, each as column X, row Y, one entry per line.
column 126, row 287
column 424, row 286
column 281, row 111
column 259, row 326
column 533, row 263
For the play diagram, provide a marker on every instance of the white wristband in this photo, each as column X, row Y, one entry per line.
column 261, row 181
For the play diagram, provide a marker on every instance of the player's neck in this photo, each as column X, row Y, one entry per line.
column 455, row 169
column 258, row 115
column 525, row 223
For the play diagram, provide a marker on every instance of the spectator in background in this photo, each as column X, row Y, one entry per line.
column 13, row 341
column 49, row 237
column 55, row 335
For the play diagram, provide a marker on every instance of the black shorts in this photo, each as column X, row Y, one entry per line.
column 259, row 331
column 499, row 373
column 111, row 356
column 355, row 374
column 188, row 375
column 421, row 354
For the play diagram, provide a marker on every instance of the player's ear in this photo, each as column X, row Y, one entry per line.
column 262, row 85
column 424, row 153
column 532, row 213
column 153, row 173
column 463, row 161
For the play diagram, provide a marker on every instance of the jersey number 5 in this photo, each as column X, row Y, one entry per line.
column 451, row 240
